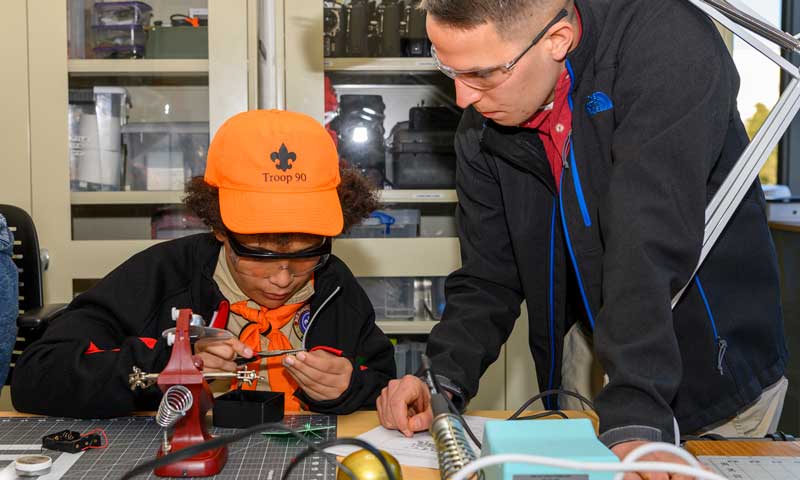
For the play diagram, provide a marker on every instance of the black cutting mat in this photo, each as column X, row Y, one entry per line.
column 134, row 440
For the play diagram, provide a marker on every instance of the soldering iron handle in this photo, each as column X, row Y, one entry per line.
column 439, row 404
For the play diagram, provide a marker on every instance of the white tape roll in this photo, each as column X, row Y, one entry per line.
column 33, row 465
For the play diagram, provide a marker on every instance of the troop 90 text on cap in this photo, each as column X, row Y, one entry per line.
column 285, row 178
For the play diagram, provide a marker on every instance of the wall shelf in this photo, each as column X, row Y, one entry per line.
column 105, row 256
column 399, row 257
column 157, row 67
column 366, row 257
column 174, row 197
column 370, row 64
column 406, row 327
column 418, row 196
column 126, row 198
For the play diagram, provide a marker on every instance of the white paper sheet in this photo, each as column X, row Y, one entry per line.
column 417, row 451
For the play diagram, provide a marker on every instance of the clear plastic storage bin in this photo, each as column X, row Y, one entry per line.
column 429, row 297
column 401, row 351
column 163, row 156
column 121, row 13
column 408, row 357
column 119, row 41
column 414, row 363
column 400, row 223
column 95, row 121
column 438, row 226
column 391, row 297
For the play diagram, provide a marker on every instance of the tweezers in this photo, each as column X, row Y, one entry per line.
column 270, row 353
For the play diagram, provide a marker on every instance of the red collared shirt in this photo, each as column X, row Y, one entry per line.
column 554, row 122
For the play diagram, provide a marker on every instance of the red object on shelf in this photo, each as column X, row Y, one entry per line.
column 191, row 429
column 175, row 222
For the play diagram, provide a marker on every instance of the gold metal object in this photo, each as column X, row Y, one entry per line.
column 366, row 466
column 140, row 379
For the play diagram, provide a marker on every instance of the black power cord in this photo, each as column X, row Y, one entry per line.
column 225, row 440
column 544, row 414
column 585, row 402
column 455, row 412
column 428, row 370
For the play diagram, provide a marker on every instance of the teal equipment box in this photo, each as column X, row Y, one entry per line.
column 572, row 439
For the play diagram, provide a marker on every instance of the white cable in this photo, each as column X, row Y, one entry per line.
column 657, row 447
column 490, row 460
column 677, row 431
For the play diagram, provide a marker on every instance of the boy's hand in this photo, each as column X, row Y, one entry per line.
column 218, row 356
column 322, row 375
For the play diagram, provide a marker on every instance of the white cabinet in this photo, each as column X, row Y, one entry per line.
column 88, row 228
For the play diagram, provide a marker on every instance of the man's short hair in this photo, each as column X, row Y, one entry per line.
column 510, row 17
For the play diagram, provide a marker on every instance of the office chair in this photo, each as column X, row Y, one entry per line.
column 34, row 316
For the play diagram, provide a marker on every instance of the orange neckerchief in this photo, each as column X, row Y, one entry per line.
column 268, row 322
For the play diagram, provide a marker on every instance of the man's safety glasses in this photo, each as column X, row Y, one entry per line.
column 491, row 77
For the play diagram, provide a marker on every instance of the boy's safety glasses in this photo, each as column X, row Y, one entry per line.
column 262, row 263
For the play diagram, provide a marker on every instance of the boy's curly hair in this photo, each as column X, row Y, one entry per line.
column 357, row 196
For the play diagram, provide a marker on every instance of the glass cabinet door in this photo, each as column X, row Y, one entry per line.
column 138, row 115
column 153, row 29
column 370, row 28
column 393, row 117
column 391, row 112
column 123, row 97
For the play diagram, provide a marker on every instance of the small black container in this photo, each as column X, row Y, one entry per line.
column 246, row 408
column 423, row 159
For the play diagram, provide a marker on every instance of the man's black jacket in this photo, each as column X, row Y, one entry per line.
column 80, row 367
column 655, row 130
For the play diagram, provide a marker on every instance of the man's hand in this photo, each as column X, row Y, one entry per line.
column 322, row 375
column 623, row 449
column 405, row 405
column 219, row 356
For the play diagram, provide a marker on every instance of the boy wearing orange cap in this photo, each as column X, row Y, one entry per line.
column 274, row 197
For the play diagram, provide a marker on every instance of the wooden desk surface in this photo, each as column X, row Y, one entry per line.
column 736, row 448
column 786, row 227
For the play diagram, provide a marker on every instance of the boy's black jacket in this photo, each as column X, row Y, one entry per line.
column 80, row 367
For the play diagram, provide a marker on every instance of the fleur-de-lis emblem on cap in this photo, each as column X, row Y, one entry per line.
column 282, row 157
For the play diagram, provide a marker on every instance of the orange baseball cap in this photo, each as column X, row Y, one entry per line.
column 277, row 172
